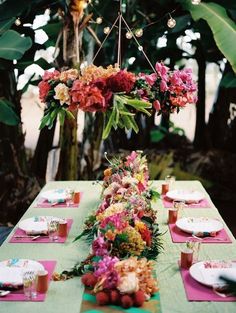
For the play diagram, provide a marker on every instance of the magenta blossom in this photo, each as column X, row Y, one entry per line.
column 112, row 279
column 117, row 220
column 105, row 265
column 162, row 71
column 99, row 246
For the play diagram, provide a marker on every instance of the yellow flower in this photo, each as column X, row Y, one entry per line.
column 62, row 93
column 139, row 226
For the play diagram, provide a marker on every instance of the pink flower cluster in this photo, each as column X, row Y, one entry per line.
column 171, row 90
column 89, row 92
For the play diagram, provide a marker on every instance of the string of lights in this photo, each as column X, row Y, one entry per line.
column 138, row 32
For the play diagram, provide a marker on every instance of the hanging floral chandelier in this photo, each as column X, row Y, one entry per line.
column 117, row 93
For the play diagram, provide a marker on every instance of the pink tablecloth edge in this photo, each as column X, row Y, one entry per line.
column 41, row 239
column 198, row 292
column 49, row 265
column 179, row 236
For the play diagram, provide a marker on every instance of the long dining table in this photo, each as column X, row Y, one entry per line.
column 66, row 296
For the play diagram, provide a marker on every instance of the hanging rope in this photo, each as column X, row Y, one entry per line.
column 138, row 44
column 120, row 18
column 119, row 36
column 113, row 25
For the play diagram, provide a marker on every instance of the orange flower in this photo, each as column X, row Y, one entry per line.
column 107, row 172
column 110, row 235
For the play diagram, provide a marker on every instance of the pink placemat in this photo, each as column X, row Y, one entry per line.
column 198, row 292
column 18, row 295
column 178, row 235
column 20, row 232
column 43, row 203
column 168, row 203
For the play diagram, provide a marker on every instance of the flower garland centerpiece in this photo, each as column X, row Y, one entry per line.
column 124, row 237
column 117, row 93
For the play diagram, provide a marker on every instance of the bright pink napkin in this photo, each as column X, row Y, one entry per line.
column 20, row 232
column 168, row 203
column 18, row 295
column 198, row 292
column 178, row 235
column 43, row 203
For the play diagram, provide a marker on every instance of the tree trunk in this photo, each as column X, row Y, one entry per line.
column 200, row 138
column 68, row 163
column 44, row 145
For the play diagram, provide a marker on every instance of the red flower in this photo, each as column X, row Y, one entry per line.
column 88, row 98
column 44, row 88
column 101, row 84
column 146, row 236
column 123, row 81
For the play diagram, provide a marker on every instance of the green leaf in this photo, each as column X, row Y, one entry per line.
column 24, row 89
column 6, row 24
column 40, row 62
column 156, row 135
column 44, row 121
column 223, row 28
column 62, row 115
column 7, row 114
column 228, row 81
column 13, row 46
column 110, row 123
column 12, row 8
column 69, row 114
column 130, row 123
column 139, row 105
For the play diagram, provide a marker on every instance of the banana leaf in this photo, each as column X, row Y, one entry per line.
column 222, row 26
column 13, row 45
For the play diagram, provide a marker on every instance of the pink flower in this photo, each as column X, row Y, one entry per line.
column 157, row 106
column 150, row 79
column 51, row 75
column 162, row 70
column 163, row 86
column 116, row 220
column 131, row 158
column 105, row 265
column 99, row 246
column 123, row 81
column 44, row 88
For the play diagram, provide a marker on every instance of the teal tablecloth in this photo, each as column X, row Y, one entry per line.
column 66, row 296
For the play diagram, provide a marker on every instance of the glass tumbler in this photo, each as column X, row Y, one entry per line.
column 30, row 284
column 53, row 229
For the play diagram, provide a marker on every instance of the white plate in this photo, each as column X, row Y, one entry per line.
column 36, row 224
column 54, row 195
column 185, row 195
column 208, row 272
column 11, row 271
column 199, row 225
